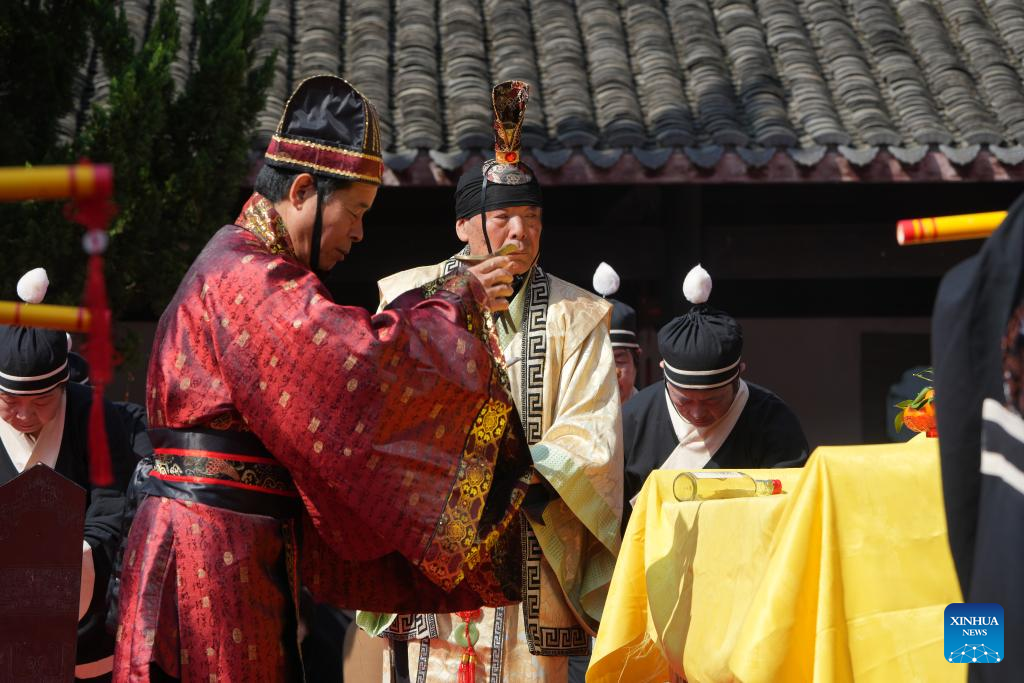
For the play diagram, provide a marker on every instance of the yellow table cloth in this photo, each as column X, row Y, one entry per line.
column 843, row 577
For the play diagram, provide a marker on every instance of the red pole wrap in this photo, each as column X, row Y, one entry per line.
column 95, row 213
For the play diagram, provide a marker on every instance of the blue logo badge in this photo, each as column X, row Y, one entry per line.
column 974, row 633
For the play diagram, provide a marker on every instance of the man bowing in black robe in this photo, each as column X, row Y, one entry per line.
column 704, row 415
column 44, row 419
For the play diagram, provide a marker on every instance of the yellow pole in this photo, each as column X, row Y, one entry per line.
column 968, row 226
column 67, row 318
column 76, row 181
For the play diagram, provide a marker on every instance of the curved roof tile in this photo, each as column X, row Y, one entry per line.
column 663, row 103
column 703, row 59
column 367, row 65
column 465, row 73
column 417, row 82
column 948, row 78
column 616, row 107
column 812, row 110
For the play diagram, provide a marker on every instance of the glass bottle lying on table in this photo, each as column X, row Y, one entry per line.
column 714, row 484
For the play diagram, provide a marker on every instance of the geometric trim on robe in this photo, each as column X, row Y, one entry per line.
column 546, row 635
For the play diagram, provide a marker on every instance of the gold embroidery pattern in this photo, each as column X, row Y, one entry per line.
column 329, row 148
column 227, row 421
column 457, row 535
column 268, row 476
column 259, row 217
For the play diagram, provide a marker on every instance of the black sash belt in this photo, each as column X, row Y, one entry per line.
column 224, row 469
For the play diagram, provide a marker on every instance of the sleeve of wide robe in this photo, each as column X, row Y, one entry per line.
column 580, row 455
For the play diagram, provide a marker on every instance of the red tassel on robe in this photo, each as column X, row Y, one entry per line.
column 467, row 666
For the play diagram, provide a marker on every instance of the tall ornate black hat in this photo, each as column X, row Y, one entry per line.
column 509, row 100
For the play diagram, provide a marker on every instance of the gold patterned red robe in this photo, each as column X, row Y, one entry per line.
column 376, row 460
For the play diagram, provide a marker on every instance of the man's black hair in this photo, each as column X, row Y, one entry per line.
column 274, row 183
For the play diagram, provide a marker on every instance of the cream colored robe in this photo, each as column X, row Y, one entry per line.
column 579, row 452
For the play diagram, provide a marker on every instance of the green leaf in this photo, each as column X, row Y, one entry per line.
column 374, row 623
column 922, row 397
column 904, row 404
column 899, row 421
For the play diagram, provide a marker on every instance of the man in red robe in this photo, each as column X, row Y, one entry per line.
column 375, row 460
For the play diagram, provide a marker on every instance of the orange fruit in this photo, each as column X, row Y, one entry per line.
column 919, row 419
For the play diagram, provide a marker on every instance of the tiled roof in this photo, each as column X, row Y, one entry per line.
column 653, row 90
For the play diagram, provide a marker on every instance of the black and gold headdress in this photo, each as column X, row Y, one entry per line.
column 328, row 128
column 509, row 100
column 503, row 180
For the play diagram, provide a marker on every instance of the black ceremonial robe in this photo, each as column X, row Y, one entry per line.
column 767, row 434
column 980, row 430
column 104, row 506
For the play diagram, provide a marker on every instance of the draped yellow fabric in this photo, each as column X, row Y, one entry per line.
column 844, row 577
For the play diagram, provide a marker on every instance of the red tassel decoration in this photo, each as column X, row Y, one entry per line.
column 467, row 665
column 95, row 213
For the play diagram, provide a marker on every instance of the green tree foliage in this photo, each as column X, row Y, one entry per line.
column 179, row 155
column 35, row 92
column 37, row 72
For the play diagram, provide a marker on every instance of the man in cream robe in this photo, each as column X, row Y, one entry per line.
column 561, row 368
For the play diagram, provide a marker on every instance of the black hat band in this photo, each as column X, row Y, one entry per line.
column 38, row 384
column 470, row 198
column 623, row 339
column 701, row 379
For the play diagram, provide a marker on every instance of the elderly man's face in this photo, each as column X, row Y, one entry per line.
column 520, row 225
column 29, row 414
column 702, row 407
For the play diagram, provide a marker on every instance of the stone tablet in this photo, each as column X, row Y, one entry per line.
column 40, row 572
